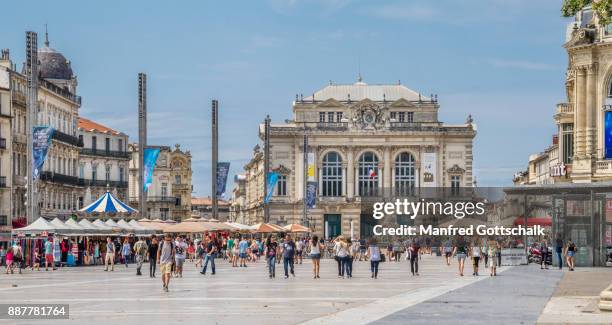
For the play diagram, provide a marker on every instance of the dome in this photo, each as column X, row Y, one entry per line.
column 53, row 64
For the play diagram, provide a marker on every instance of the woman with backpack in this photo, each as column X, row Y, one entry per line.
column 375, row 256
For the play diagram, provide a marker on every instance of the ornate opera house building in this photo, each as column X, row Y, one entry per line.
column 362, row 141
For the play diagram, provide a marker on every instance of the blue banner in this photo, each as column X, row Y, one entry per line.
column 41, row 140
column 150, row 159
column 311, row 194
column 608, row 135
column 272, row 179
column 222, row 171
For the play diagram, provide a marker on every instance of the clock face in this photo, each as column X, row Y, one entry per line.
column 369, row 117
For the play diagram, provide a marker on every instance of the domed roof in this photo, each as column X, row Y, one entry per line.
column 53, row 64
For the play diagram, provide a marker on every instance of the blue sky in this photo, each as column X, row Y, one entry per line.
column 500, row 60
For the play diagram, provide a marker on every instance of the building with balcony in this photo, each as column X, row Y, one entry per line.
column 363, row 141
column 58, row 107
column 103, row 163
column 202, row 206
column 169, row 196
column 5, row 151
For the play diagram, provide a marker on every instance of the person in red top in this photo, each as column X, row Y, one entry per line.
column 414, row 256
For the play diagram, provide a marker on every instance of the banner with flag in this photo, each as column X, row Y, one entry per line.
column 272, row 179
column 311, row 194
column 372, row 173
column 150, row 159
column 222, row 171
column 41, row 140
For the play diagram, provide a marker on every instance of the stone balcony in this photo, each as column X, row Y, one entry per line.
column 565, row 112
column 604, row 168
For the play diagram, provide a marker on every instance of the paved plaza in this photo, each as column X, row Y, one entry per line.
column 239, row 295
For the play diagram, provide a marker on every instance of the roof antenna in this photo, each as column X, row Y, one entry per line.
column 46, row 36
column 359, row 78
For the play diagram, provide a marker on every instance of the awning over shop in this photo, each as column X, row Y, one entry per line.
column 546, row 222
column 267, row 228
column 297, row 228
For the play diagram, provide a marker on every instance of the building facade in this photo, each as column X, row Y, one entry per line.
column 5, row 150
column 169, row 196
column 58, row 107
column 363, row 141
column 103, row 164
column 237, row 207
column 202, row 207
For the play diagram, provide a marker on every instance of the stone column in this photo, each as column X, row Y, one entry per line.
column 590, row 112
column 350, row 175
column 580, row 111
column 387, row 171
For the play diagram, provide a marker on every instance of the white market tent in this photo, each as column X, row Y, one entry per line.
column 37, row 227
column 60, row 226
column 125, row 226
column 76, row 227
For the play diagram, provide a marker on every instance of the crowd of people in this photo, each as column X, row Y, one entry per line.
column 170, row 253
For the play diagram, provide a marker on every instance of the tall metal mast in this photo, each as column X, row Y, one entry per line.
column 142, row 142
column 266, row 166
column 215, row 157
column 31, row 107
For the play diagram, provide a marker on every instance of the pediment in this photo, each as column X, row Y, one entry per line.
column 402, row 102
column 281, row 169
column 330, row 103
column 456, row 170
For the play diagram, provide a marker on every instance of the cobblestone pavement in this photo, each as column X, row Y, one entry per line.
column 236, row 295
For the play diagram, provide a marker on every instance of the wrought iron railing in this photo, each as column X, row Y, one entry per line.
column 105, row 153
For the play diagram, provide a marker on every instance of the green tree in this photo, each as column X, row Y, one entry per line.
column 603, row 9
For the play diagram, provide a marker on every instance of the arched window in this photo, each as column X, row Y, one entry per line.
column 331, row 175
column 368, row 174
column 404, row 174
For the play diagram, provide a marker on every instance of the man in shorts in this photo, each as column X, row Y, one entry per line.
column 448, row 251
column 165, row 257
column 243, row 245
column 181, row 255
column 49, row 254
column 109, row 258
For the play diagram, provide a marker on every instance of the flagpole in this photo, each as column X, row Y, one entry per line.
column 142, row 142
column 215, row 158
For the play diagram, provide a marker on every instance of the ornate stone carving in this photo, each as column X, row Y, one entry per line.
column 455, row 170
column 368, row 115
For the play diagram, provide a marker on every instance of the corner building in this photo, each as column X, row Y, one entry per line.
column 363, row 140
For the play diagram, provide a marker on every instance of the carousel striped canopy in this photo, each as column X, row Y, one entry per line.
column 107, row 203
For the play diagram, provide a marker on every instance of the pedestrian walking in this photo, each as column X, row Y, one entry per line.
column 475, row 252
column 49, row 254
column 126, row 251
column 17, row 256
column 109, row 258
column 243, row 246
column 9, row 260
column 342, row 252
column 2, row 255
column 152, row 252
column 299, row 250
column 374, row 255
column 559, row 250
column 413, row 256
column 36, row 261
column 493, row 251
column 362, row 249
column 271, row 252
column 544, row 254
column 397, row 250
column 570, row 252
column 211, row 251
column 288, row 255
column 352, row 252
column 140, row 252
column 315, row 255
column 461, row 251
column 180, row 255
column 201, row 252
column 448, row 251
column 166, row 255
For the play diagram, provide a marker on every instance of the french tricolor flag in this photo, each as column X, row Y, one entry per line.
column 372, row 173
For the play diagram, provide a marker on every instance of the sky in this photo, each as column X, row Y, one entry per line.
column 501, row 61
